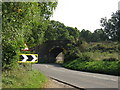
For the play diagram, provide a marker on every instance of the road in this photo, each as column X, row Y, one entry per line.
column 78, row 78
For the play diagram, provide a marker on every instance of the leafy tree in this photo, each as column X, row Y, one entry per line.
column 39, row 28
column 56, row 31
column 74, row 34
column 112, row 26
column 98, row 35
column 86, row 35
column 19, row 20
column 74, row 46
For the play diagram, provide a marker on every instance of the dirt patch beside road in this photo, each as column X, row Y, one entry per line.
column 55, row 84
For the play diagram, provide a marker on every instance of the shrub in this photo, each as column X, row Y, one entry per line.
column 84, row 57
column 10, row 54
column 104, row 67
column 110, row 59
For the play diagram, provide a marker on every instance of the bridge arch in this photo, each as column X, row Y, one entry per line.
column 56, row 54
column 48, row 51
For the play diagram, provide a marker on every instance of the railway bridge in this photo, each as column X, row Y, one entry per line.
column 49, row 50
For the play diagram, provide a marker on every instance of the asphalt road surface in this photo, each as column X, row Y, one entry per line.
column 78, row 78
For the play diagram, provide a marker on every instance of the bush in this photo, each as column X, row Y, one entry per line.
column 110, row 59
column 72, row 54
column 10, row 54
column 104, row 67
column 84, row 57
column 104, row 47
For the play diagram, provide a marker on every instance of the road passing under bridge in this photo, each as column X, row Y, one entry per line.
column 78, row 78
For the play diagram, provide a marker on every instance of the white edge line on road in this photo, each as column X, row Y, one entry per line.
column 105, row 78
column 90, row 75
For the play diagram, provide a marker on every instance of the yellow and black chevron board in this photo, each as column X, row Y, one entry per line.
column 28, row 58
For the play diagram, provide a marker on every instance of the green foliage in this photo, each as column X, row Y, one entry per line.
column 111, row 30
column 98, row 35
column 97, row 55
column 112, row 26
column 110, row 59
column 72, row 53
column 84, row 57
column 84, row 46
column 23, row 78
column 23, row 22
column 100, row 50
column 86, row 35
column 74, row 35
column 105, row 67
column 56, row 31
column 104, row 47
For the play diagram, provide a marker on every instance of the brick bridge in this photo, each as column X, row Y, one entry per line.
column 49, row 50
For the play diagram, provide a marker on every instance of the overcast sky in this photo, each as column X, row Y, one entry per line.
column 84, row 14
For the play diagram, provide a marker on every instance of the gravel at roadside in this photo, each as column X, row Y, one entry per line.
column 55, row 84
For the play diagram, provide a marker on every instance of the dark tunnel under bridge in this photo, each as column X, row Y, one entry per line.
column 56, row 54
column 51, row 51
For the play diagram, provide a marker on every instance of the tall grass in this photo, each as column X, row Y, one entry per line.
column 97, row 55
column 22, row 78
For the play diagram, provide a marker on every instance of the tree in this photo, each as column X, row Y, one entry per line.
column 18, row 22
column 40, row 24
column 112, row 26
column 98, row 35
column 86, row 35
column 74, row 34
column 56, row 31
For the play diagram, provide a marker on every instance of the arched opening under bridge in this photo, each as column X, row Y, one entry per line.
column 56, row 55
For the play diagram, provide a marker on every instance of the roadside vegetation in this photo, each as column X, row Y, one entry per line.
column 23, row 77
column 22, row 22
column 98, row 51
column 99, row 57
column 101, row 50
column 104, row 66
column 29, row 22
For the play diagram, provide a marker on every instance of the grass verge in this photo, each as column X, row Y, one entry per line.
column 104, row 67
column 23, row 78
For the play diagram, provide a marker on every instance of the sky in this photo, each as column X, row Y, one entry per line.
column 84, row 14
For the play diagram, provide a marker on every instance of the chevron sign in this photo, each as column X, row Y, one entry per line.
column 28, row 58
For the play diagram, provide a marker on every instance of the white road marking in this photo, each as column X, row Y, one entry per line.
column 96, row 76
column 105, row 78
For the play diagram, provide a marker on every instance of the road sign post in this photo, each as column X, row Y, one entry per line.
column 28, row 58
